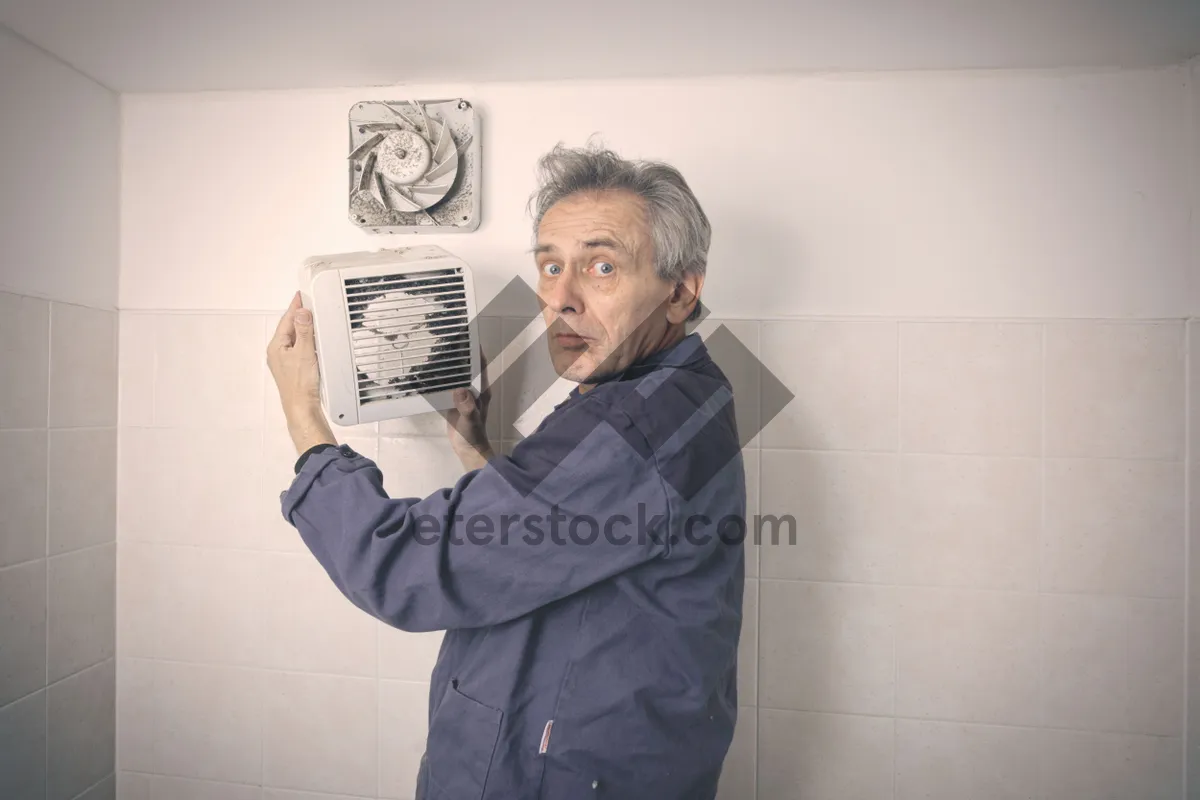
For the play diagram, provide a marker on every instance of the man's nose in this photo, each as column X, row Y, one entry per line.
column 563, row 295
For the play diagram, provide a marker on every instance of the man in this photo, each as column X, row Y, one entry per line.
column 590, row 584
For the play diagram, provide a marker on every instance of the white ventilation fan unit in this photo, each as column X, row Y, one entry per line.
column 414, row 166
column 395, row 331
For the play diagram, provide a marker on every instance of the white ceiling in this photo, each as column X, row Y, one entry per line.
column 190, row 45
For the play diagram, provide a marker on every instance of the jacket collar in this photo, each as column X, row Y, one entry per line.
column 687, row 351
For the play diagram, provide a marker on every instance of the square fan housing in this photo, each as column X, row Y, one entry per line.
column 395, row 331
column 414, row 166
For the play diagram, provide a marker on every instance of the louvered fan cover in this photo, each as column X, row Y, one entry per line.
column 410, row 333
column 394, row 331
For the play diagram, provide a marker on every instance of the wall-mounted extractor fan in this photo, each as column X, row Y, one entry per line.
column 414, row 166
column 395, row 331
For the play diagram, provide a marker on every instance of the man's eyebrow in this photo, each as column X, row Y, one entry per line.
column 590, row 244
column 611, row 244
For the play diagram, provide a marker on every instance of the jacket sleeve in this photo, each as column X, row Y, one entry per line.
column 578, row 502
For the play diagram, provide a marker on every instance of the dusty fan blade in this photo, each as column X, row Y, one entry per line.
column 407, row 198
column 379, row 192
column 418, row 188
column 400, row 114
column 424, row 116
column 466, row 143
column 444, row 143
column 381, row 126
column 368, row 172
column 441, row 168
column 365, row 146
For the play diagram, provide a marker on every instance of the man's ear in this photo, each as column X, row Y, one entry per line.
column 684, row 298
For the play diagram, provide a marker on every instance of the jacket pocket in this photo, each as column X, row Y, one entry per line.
column 462, row 741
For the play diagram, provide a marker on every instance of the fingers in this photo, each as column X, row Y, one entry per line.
column 285, row 331
column 302, row 322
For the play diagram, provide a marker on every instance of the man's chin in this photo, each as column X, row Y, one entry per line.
column 577, row 373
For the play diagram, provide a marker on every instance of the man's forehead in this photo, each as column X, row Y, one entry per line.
column 582, row 237
column 582, row 222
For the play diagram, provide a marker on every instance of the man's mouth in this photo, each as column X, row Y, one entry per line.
column 570, row 338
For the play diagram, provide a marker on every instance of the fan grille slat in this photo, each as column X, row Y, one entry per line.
column 409, row 332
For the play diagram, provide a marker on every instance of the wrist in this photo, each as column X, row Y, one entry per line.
column 308, row 428
column 304, row 415
column 475, row 456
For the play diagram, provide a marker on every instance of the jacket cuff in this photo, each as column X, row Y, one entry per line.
column 312, row 451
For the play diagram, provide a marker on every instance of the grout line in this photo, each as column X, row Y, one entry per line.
column 112, row 775
column 116, row 486
column 44, row 428
column 45, row 298
column 25, row 697
column 1043, row 455
column 758, row 573
column 1189, row 469
column 262, row 785
column 46, row 522
column 89, row 667
column 78, row 550
column 1032, row 727
column 220, row 665
column 1117, row 594
column 378, row 714
column 995, row 456
column 20, row 564
column 259, row 591
column 894, row 592
column 1042, row 535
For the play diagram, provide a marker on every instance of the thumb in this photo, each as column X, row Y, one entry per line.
column 304, row 329
column 463, row 401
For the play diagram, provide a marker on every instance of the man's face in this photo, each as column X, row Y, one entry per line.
column 603, row 304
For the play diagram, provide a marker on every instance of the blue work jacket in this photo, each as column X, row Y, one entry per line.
column 590, row 586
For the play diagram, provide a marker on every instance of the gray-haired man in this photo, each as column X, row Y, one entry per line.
column 590, row 584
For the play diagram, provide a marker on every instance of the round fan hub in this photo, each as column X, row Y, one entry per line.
column 403, row 157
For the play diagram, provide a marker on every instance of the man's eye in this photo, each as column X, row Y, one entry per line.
column 552, row 269
column 604, row 268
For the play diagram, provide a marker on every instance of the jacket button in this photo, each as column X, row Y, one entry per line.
column 595, row 784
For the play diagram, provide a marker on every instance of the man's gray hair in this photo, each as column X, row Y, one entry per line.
column 679, row 228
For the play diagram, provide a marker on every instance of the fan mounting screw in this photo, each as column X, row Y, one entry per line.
column 463, row 105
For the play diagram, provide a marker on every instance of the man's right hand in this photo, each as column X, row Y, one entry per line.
column 466, row 424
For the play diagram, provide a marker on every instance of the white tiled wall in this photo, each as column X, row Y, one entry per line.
column 57, row 549
column 1193, row 449
column 951, row 607
column 242, row 669
column 984, row 455
column 989, row 562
